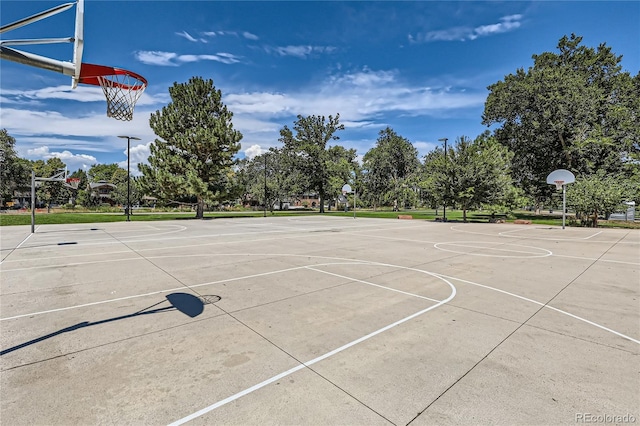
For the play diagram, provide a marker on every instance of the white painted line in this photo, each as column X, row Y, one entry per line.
column 359, row 233
column 18, row 246
column 321, row 357
column 237, row 395
column 583, row 239
column 470, row 244
column 514, row 230
column 597, row 233
column 543, row 305
column 177, row 247
column 101, row 302
column 24, row 241
column 553, row 228
column 151, row 293
column 591, row 259
column 372, row 284
column 137, row 258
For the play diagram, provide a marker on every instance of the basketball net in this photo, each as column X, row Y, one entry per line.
column 122, row 92
column 559, row 184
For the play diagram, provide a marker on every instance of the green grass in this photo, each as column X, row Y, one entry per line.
column 12, row 219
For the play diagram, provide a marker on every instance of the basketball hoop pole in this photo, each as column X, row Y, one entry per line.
column 564, row 202
column 355, row 195
column 560, row 178
column 33, row 201
column 128, row 138
column 444, row 208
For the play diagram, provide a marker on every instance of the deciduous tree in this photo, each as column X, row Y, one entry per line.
column 472, row 173
column 391, row 167
column 574, row 109
column 307, row 145
column 14, row 171
column 597, row 194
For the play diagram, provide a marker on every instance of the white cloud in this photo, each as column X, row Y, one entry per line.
column 300, row 51
column 249, row 36
column 73, row 161
column 364, row 100
column 359, row 97
column 173, row 59
column 156, row 58
column 253, row 151
column 219, row 33
column 20, row 122
column 139, row 155
column 506, row 24
column 187, row 36
column 80, row 94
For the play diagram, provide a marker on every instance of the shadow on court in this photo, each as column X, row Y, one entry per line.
column 188, row 304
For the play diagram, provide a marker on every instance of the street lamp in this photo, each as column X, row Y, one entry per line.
column 446, row 163
column 128, row 138
column 265, row 185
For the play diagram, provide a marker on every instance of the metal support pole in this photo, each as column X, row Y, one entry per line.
column 128, row 138
column 446, row 164
column 33, row 201
column 355, row 194
column 564, row 202
column 128, row 178
column 265, row 184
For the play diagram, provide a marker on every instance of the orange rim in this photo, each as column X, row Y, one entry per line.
column 90, row 73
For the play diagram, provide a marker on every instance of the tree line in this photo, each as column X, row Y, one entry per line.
column 574, row 108
column 16, row 180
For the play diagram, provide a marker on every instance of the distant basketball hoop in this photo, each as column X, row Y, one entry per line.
column 560, row 178
column 73, row 183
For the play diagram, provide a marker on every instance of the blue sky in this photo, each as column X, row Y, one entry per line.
column 421, row 68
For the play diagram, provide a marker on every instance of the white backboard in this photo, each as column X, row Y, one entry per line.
column 561, row 175
column 78, row 42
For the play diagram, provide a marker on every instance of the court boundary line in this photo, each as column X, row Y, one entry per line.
column 535, row 302
column 326, row 355
column 371, row 284
column 346, row 262
column 531, row 255
column 500, row 234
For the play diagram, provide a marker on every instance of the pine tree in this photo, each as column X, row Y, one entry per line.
column 196, row 145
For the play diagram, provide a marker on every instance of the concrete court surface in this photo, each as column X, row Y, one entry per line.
column 319, row 321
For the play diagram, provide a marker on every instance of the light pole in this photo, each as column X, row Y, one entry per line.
column 446, row 164
column 128, row 138
column 355, row 194
column 265, row 185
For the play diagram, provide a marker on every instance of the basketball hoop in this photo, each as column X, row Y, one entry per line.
column 559, row 184
column 122, row 88
column 73, row 183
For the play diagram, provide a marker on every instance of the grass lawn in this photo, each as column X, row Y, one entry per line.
column 9, row 219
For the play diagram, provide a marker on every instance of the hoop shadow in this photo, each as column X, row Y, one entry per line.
column 188, row 304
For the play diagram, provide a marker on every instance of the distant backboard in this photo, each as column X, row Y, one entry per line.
column 560, row 177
